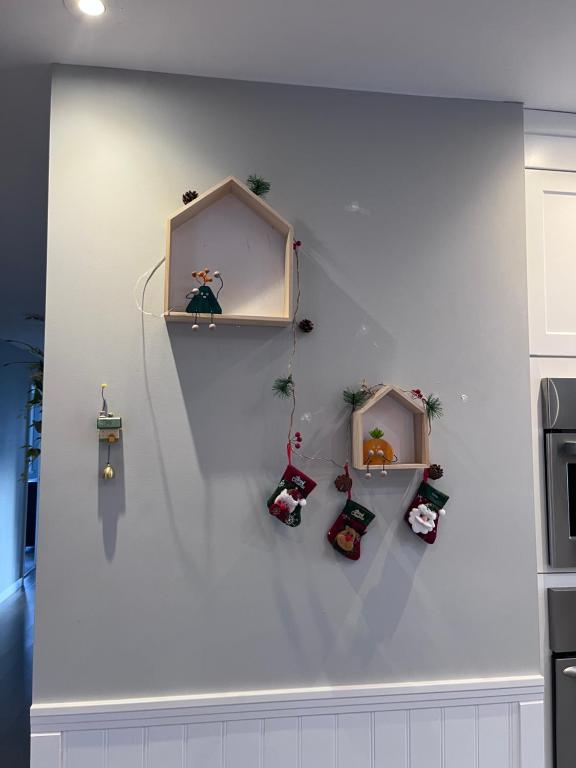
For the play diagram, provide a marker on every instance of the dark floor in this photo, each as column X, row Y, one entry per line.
column 16, row 638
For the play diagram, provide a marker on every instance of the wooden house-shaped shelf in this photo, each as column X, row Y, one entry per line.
column 230, row 229
column 404, row 423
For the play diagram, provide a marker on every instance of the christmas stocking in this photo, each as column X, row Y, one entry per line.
column 425, row 511
column 290, row 496
column 348, row 529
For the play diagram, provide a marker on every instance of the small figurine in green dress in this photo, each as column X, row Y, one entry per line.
column 202, row 299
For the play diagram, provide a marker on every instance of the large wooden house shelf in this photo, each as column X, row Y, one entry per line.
column 230, row 229
column 404, row 423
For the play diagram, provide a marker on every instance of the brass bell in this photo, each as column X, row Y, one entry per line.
column 108, row 472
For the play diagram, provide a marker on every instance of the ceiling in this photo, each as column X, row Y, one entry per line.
column 519, row 50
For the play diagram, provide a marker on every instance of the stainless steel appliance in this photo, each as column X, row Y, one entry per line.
column 559, row 422
column 562, row 628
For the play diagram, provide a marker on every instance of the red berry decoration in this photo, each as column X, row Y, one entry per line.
column 298, row 446
column 297, row 244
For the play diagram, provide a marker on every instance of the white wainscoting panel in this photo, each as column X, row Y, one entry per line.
column 496, row 723
column 460, row 736
column 125, row 748
column 205, row 745
column 85, row 749
column 425, row 742
column 318, row 741
column 46, row 750
column 531, row 734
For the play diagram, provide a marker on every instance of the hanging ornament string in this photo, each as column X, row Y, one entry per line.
column 296, row 246
column 284, row 386
column 347, row 473
column 325, row 459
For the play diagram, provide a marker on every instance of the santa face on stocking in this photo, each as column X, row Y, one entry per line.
column 286, row 503
column 422, row 519
column 424, row 513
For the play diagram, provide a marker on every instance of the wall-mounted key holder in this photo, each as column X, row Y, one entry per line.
column 109, row 429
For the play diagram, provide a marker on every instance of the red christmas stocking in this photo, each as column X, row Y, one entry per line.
column 348, row 529
column 290, row 496
column 425, row 511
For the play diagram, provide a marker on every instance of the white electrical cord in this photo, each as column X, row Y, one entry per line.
column 148, row 275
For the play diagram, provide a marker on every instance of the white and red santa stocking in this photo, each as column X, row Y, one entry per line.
column 290, row 495
column 425, row 511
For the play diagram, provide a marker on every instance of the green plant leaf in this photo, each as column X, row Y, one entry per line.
column 36, row 398
column 24, row 345
column 376, row 433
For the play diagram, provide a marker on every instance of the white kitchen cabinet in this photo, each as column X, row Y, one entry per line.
column 551, row 248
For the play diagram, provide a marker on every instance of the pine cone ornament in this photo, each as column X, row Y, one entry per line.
column 188, row 196
column 435, row 472
column 306, row 326
column 343, row 483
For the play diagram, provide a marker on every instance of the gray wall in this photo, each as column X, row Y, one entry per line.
column 174, row 578
column 14, row 383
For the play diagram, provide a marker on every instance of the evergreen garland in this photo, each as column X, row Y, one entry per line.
column 258, row 185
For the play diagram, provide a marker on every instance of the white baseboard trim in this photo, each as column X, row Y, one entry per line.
column 483, row 723
column 9, row 591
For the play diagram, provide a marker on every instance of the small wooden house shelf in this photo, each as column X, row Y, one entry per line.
column 230, row 229
column 404, row 423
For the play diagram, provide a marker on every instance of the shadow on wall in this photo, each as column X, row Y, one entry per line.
column 226, row 377
column 239, row 431
column 111, row 496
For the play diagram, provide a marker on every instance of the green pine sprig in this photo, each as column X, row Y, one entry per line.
column 258, row 185
column 434, row 407
column 283, row 387
column 355, row 397
column 376, row 433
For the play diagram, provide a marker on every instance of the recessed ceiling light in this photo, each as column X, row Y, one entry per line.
column 91, row 7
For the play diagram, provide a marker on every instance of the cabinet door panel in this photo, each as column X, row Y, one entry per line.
column 551, row 248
